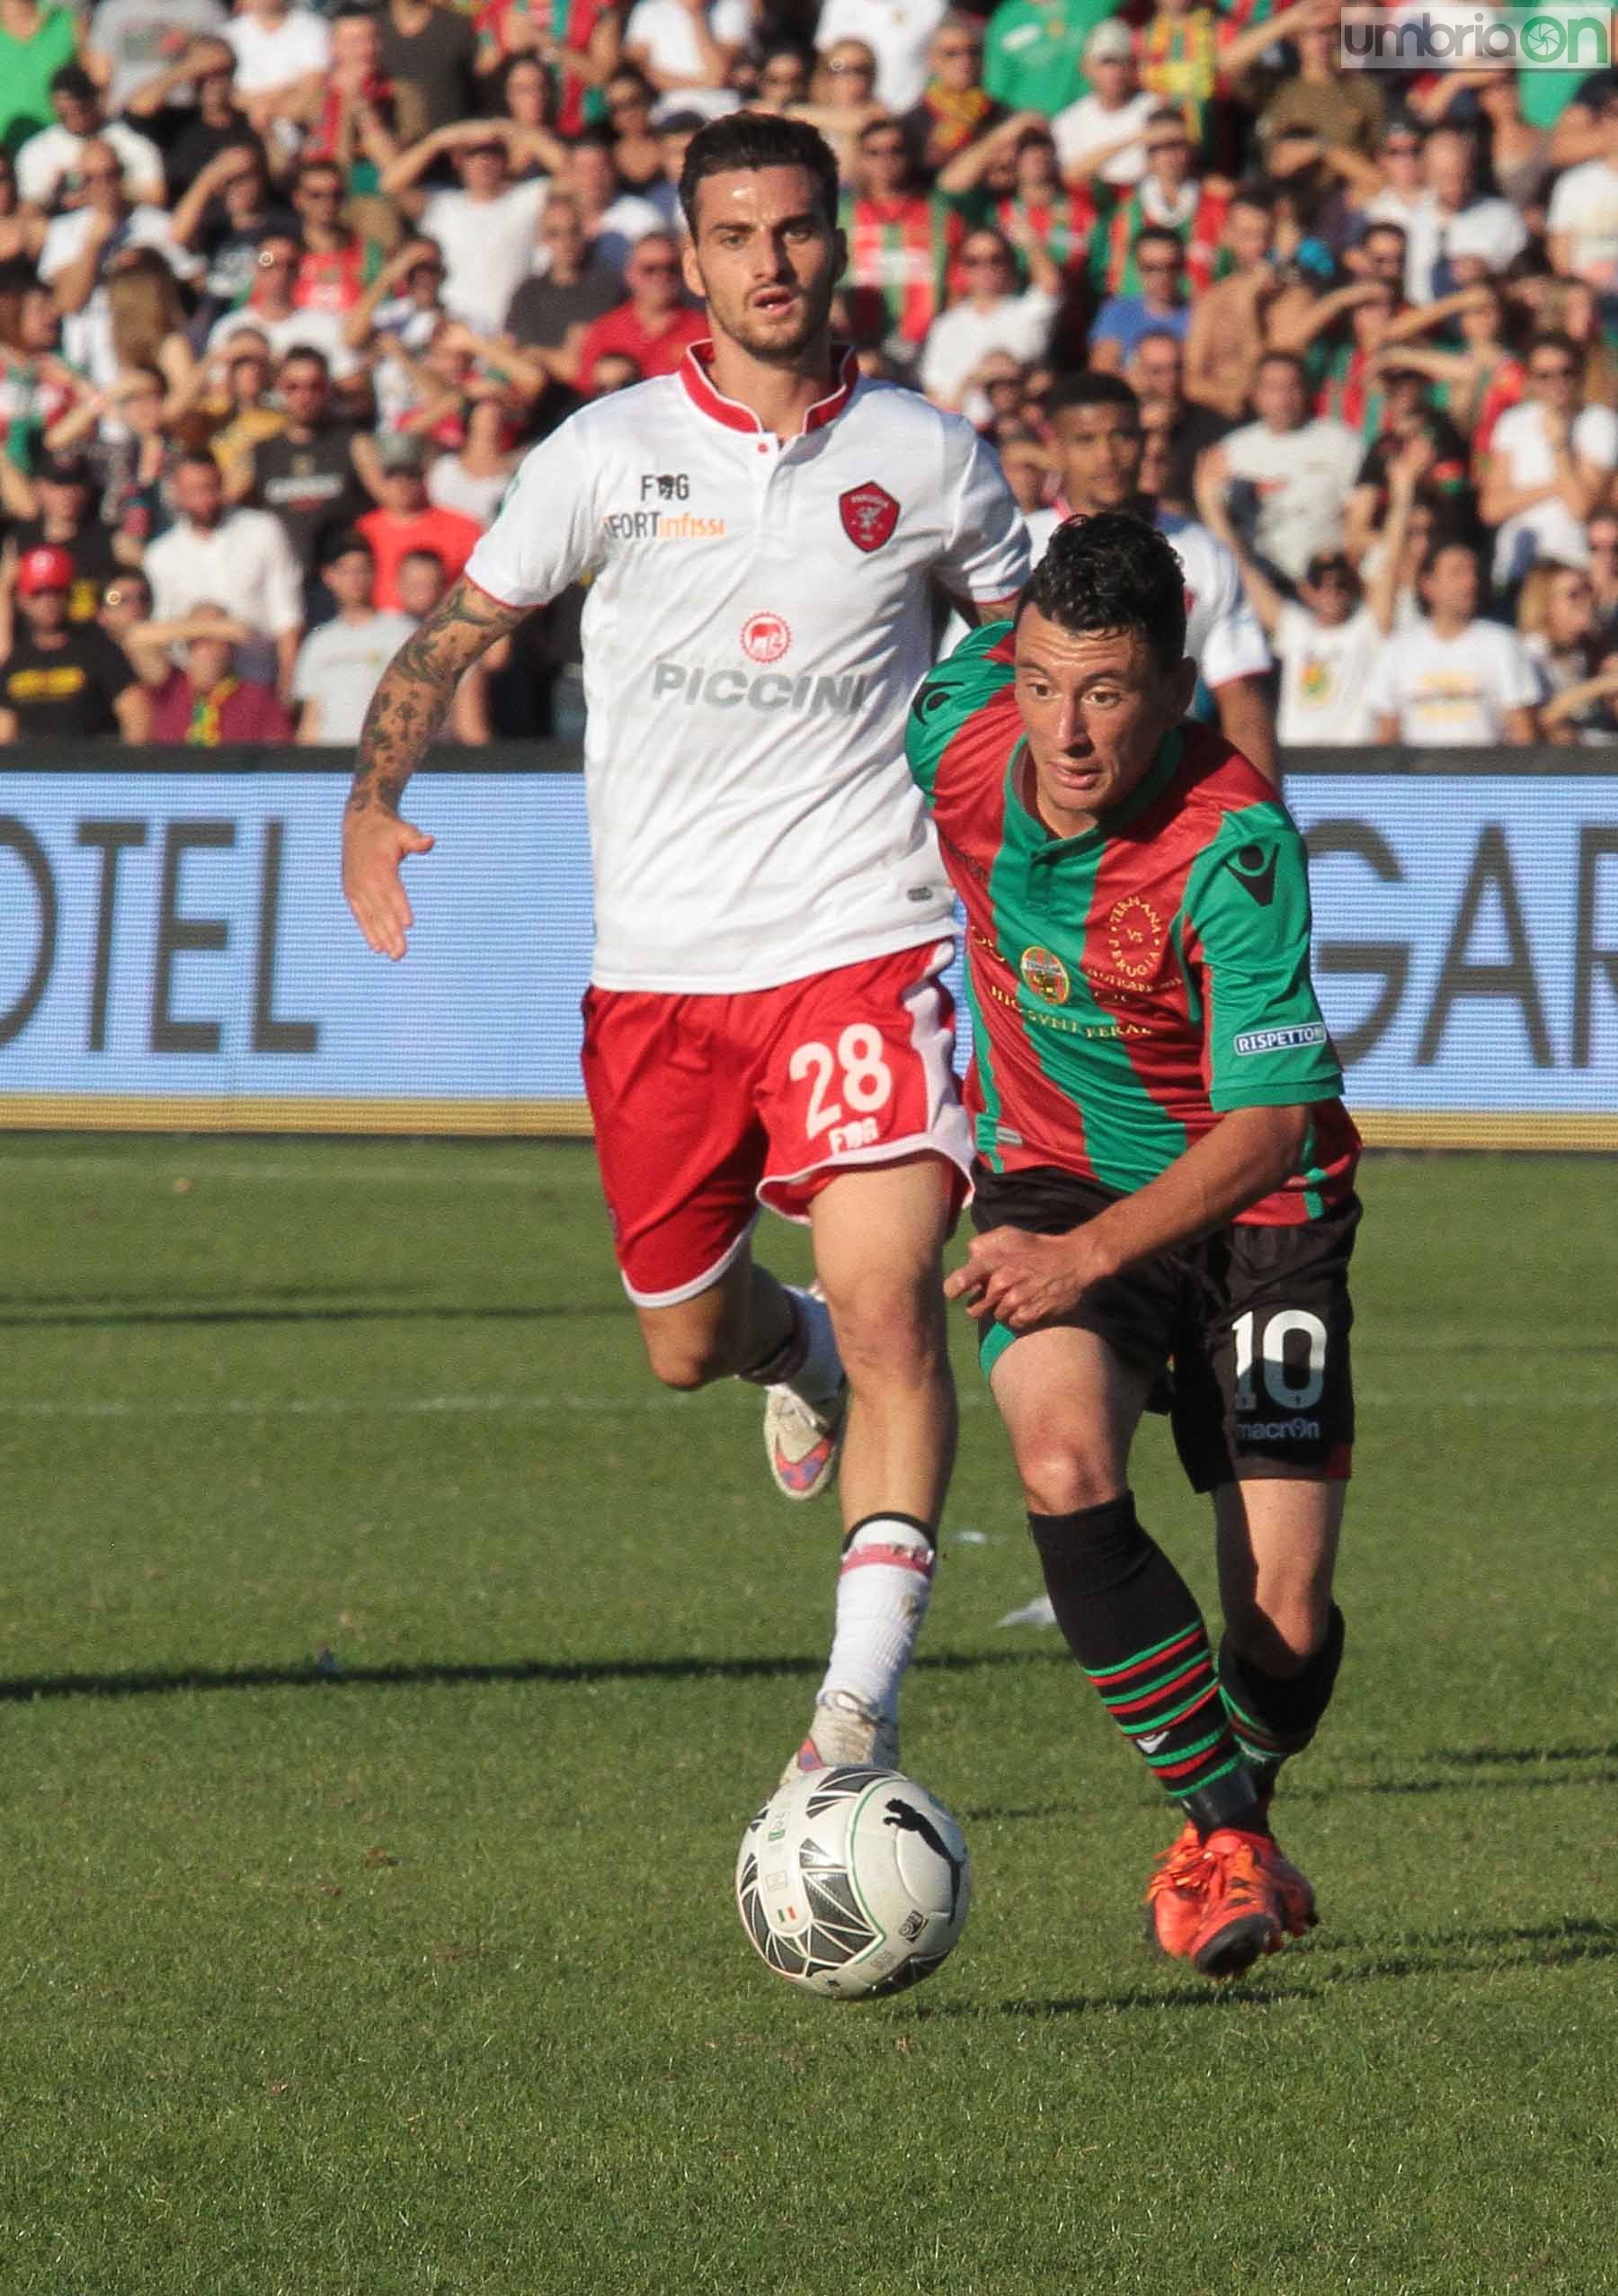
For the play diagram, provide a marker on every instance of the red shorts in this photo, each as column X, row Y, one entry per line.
column 706, row 1107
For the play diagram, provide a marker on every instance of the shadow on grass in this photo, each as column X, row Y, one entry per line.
column 329, row 1674
column 1314, row 1971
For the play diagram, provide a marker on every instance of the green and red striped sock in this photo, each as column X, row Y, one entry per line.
column 1135, row 1627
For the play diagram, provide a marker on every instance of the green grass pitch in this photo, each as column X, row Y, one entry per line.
column 388, row 1670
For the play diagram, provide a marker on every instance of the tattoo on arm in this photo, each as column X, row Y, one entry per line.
column 417, row 687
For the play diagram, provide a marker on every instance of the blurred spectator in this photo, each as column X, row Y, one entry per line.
column 60, row 677
column 48, row 164
column 22, row 230
column 1560, row 626
column 37, row 386
column 898, row 33
column 577, row 42
column 126, row 602
column 1601, row 537
column 240, row 553
column 1343, row 108
column 1454, row 220
column 783, row 80
column 551, row 312
column 1285, row 477
column 136, row 46
column 1583, row 219
column 1409, row 426
column 842, row 99
column 486, row 229
column 1477, row 380
column 1340, row 337
column 209, row 700
column 1231, row 322
column 69, row 522
column 631, row 99
column 902, row 244
column 1156, row 374
column 191, row 111
column 80, row 247
column 224, row 216
column 1027, row 470
column 688, row 48
column 1451, row 680
column 321, row 470
column 1102, row 137
column 955, row 108
column 433, row 51
column 406, row 522
column 1034, row 52
column 654, row 324
column 122, row 433
column 362, row 124
column 1552, row 462
column 35, row 41
column 282, row 53
column 1157, row 260
column 1010, row 177
column 272, row 308
column 1169, row 198
column 613, row 218
column 334, row 263
column 340, row 664
column 423, row 580
column 991, row 316
column 239, row 408
column 1327, row 640
column 474, row 477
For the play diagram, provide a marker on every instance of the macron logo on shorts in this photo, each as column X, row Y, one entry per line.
column 1282, row 1040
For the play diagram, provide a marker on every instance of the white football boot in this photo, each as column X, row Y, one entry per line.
column 803, row 1443
column 845, row 1729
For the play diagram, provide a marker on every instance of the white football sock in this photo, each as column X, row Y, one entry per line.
column 883, row 1585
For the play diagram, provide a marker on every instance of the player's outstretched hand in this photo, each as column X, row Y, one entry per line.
column 374, row 843
column 1021, row 1280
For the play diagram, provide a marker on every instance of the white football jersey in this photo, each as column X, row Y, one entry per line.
column 760, row 615
column 1223, row 636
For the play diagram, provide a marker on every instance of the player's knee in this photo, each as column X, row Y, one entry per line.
column 887, row 1335
column 1281, row 1629
column 686, row 1359
column 1058, row 1480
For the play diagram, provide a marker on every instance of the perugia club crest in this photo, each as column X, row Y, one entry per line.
column 869, row 515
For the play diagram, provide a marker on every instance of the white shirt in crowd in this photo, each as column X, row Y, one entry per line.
column 1325, row 674
column 245, row 565
column 1086, row 126
column 449, row 488
column 339, row 666
column 1491, row 228
column 1585, row 204
column 1302, row 479
column 1546, row 529
column 487, row 246
column 139, row 39
column 272, row 56
column 961, row 338
column 898, row 33
column 319, row 331
column 1454, row 692
column 663, row 28
column 46, row 160
column 760, row 617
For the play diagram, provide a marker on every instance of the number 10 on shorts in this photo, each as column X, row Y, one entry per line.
column 1284, row 1389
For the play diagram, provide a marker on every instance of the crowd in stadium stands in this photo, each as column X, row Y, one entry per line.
column 285, row 293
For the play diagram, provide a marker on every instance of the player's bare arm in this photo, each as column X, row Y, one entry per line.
column 993, row 609
column 1022, row 1279
column 405, row 713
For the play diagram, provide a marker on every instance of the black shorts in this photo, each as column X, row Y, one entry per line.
column 1244, row 1335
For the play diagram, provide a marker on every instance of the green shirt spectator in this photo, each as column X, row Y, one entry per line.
column 35, row 42
column 1034, row 52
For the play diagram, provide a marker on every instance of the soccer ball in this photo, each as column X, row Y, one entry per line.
column 853, row 1882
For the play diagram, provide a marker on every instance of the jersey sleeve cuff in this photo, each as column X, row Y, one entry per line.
column 1286, row 1093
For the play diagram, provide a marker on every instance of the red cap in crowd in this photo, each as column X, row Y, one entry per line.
column 46, row 568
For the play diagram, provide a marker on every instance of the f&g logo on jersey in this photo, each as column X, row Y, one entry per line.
column 665, row 486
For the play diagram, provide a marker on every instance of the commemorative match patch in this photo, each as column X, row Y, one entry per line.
column 1044, row 971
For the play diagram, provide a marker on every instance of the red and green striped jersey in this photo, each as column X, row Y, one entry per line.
column 900, row 253
column 1197, row 225
column 1130, row 986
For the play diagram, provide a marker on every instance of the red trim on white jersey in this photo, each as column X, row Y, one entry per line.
column 694, row 373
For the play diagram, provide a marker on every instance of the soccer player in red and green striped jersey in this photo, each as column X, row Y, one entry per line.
column 1165, row 1175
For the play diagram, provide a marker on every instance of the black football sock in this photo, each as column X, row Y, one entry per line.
column 1274, row 1719
column 1134, row 1626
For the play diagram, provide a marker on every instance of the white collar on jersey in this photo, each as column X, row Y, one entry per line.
column 694, row 373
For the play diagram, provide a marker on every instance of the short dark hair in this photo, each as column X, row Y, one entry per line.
column 1091, row 387
column 1159, row 233
column 1114, row 572
column 71, row 79
column 1444, row 539
column 753, row 139
column 1284, row 358
column 340, row 545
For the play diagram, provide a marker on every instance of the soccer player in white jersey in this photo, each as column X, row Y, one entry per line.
column 1096, row 433
column 765, row 1023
